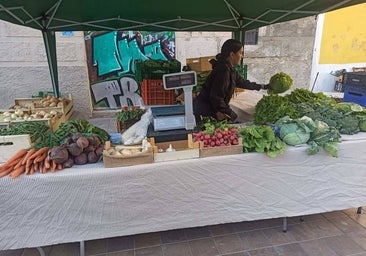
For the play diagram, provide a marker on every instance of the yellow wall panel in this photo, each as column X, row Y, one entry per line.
column 344, row 36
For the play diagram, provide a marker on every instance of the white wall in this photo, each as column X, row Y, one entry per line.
column 24, row 71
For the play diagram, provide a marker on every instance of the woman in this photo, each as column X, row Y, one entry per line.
column 213, row 100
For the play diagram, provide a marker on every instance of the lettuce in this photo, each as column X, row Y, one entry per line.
column 279, row 83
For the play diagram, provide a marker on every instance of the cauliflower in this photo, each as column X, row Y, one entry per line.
column 279, row 83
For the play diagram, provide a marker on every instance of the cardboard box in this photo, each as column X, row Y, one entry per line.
column 123, row 160
column 11, row 144
column 200, row 64
column 183, row 149
column 221, row 150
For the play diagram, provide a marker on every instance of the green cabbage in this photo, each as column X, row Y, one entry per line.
column 279, row 83
column 295, row 131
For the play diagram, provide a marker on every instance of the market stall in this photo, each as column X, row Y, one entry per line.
column 92, row 202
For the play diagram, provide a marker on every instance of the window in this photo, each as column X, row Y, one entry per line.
column 251, row 37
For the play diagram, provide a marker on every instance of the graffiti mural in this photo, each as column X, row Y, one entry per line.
column 111, row 60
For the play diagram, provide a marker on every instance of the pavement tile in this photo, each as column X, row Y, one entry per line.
column 343, row 245
column 254, row 239
column 198, row 232
column 149, row 251
column 147, row 240
column 173, row 236
column 176, row 249
column 120, row 243
column 290, row 250
column 203, row 247
column 229, row 243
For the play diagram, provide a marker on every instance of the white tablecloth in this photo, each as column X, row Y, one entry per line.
column 92, row 202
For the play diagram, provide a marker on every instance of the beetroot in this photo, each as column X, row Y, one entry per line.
column 81, row 159
column 59, row 154
column 82, row 142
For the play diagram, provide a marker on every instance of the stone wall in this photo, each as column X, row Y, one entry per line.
column 286, row 47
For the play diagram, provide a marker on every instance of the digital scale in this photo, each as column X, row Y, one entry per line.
column 177, row 116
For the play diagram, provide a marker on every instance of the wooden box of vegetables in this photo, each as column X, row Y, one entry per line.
column 49, row 108
column 221, row 150
column 175, row 150
column 62, row 105
column 117, row 156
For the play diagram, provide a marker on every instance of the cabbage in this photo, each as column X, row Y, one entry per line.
column 279, row 83
column 295, row 131
column 362, row 125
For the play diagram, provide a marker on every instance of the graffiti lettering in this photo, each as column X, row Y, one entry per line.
column 113, row 60
column 117, row 93
column 129, row 89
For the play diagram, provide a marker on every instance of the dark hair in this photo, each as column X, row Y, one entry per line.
column 230, row 45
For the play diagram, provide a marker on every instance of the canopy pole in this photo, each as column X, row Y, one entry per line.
column 49, row 39
column 239, row 34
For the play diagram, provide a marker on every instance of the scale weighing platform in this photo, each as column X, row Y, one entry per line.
column 176, row 121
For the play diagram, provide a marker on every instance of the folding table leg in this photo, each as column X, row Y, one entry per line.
column 82, row 248
column 359, row 210
column 284, row 224
column 41, row 251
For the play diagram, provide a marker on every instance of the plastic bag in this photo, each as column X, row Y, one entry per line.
column 138, row 131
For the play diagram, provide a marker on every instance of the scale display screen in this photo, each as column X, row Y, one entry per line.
column 179, row 80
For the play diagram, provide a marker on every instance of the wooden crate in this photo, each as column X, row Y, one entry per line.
column 221, row 150
column 122, row 160
column 58, row 120
column 200, row 64
column 11, row 144
column 184, row 149
column 33, row 105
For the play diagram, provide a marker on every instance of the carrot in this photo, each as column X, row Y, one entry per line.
column 14, row 174
column 39, row 152
column 20, row 162
column 47, row 161
column 6, row 171
column 40, row 158
column 53, row 166
column 31, row 169
column 12, row 161
column 36, row 167
column 40, row 167
column 29, row 153
column 59, row 167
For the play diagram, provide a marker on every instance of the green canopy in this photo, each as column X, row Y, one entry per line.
column 162, row 15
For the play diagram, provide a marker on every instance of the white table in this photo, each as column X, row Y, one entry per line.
column 92, row 202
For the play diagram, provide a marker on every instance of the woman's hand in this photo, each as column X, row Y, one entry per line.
column 221, row 116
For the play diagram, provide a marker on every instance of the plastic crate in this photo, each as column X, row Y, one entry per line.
column 355, row 94
column 155, row 69
column 153, row 93
column 355, row 78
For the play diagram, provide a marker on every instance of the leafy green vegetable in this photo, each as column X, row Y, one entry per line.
column 129, row 114
column 348, row 124
column 271, row 108
column 261, row 139
column 279, row 83
column 324, row 137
